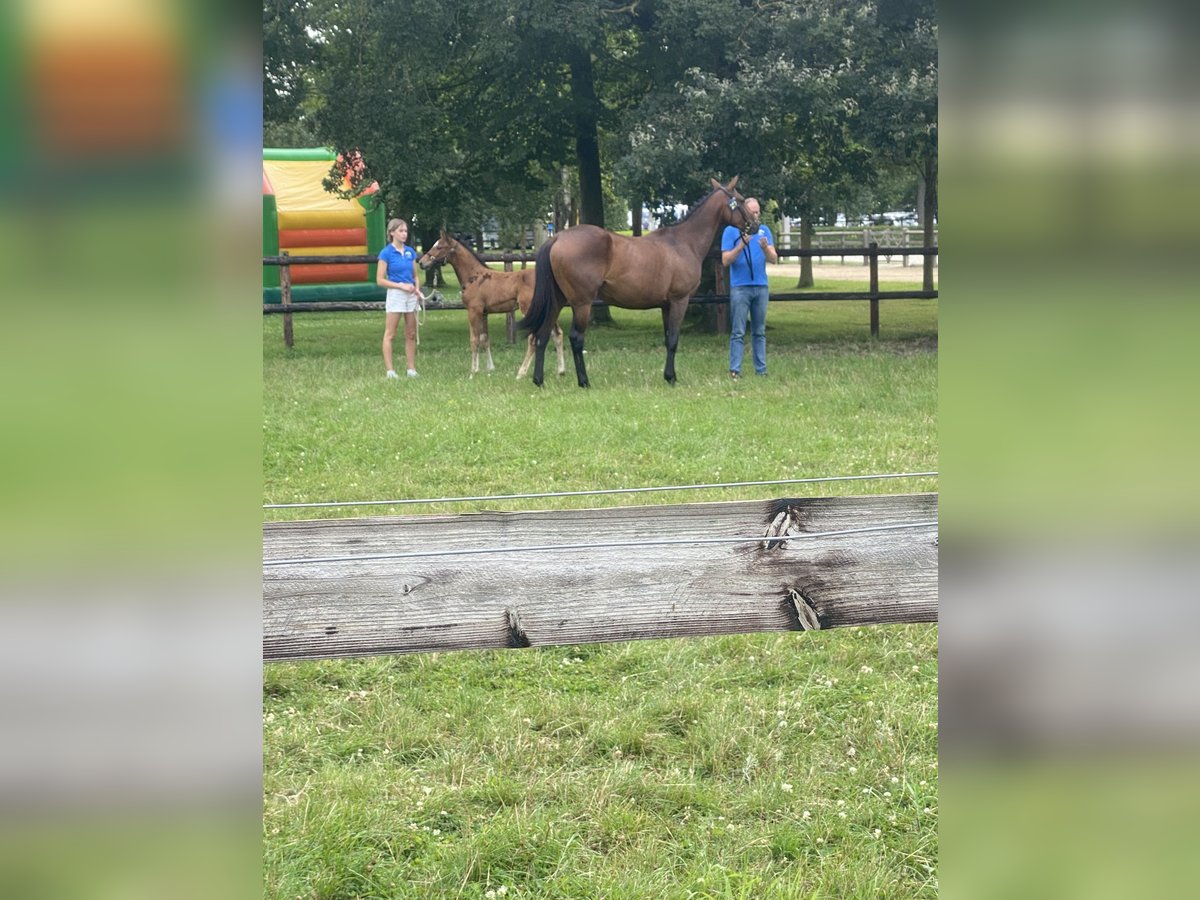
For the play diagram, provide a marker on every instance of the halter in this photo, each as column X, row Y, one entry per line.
column 450, row 252
column 735, row 205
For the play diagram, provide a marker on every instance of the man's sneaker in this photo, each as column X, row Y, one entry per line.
column 735, row 375
column 412, row 373
column 391, row 374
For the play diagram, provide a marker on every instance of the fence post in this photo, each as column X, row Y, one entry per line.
column 873, row 261
column 285, row 298
column 722, row 308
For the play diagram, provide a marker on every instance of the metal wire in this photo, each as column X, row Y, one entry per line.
column 640, row 490
column 466, row 551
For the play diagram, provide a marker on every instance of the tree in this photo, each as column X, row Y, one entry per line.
column 289, row 51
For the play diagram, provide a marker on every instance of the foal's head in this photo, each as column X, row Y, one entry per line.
column 439, row 252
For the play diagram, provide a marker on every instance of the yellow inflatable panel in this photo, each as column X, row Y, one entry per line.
column 350, row 218
column 360, row 250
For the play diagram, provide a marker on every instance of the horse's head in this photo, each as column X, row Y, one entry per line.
column 734, row 210
column 440, row 252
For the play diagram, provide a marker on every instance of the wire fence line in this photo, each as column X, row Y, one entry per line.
column 597, row 492
column 769, row 542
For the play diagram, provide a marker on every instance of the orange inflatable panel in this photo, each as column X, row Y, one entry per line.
column 323, row 237
column 327, row 272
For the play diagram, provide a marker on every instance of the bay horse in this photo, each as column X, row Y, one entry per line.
column 485, row 290
column 660, row 269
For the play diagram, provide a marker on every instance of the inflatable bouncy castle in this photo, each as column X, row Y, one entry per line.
column 304, row 219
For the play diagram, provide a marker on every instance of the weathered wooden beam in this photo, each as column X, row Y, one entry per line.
column 406, row 584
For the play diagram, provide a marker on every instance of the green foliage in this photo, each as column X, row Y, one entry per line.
column 467, row 111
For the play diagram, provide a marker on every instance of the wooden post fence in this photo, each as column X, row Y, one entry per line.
column 873, row 289
column 285, row 299
column 408, row 584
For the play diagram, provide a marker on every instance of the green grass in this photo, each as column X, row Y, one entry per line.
column 747, row 766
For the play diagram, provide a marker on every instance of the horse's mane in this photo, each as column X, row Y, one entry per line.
column 479, row 259
column 692, row 208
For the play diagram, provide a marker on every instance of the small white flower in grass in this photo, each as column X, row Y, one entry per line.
column 806, row 815
column 866, row 670
column 786, row 788
column 887, row 793
column 501, row 891
column 828, row 683
column 853, row 770
column 436, row 832
column 841, row 803
column 851, row 752
column 895, row 780
column 427, row 790
column 924, row 782
column 841, row 815
column 878, row 833
column 916, row 668
column 820, row 840
column 491, row 895
column 866, row 790
column 927, row 810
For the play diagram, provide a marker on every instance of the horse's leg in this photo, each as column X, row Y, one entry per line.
column 672, row 320
column 562, row 364
column 579, row 323
column 539, row 346
column 529, row 356
column 485, row 341
column 473, row 322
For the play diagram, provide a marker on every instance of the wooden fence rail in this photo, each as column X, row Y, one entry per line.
column 410, row 584
column 871, row 253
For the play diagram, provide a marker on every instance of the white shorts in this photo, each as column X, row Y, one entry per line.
column 399, row 301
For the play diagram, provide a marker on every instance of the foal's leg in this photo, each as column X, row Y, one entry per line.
column 672, row 320
column 485, row 341
column 556, row 333
column 562, row 365
column 529, row 351
column 474, row 320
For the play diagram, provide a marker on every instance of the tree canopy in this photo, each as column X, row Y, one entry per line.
column 467, row 110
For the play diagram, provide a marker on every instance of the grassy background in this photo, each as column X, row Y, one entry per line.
column 745, row 766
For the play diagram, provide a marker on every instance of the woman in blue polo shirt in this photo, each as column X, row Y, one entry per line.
column 397, row 271
column 747, row 254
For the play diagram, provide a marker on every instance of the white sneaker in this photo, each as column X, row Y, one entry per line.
column 412, row 373
column 392, row 374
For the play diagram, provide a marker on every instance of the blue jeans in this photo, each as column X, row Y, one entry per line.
column 748, row 299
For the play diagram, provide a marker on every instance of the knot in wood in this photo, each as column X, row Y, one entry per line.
column 785, row 523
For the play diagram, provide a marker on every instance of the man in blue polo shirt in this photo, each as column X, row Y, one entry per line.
column 747, row 254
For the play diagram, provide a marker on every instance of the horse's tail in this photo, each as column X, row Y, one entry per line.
column 545, row 292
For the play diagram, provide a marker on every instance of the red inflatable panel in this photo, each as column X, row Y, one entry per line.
column 322, row 237
column 327, row 272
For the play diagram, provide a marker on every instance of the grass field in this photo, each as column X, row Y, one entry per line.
column 795, row 765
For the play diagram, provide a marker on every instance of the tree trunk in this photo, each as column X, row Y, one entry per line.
column 929, row 182
column 587, row 140
column 705, row 317
column 636, row 206
column 587, row 150
column 806, row 273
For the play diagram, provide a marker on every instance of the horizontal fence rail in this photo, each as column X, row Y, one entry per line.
column 867, row 252
column 410, row 584
column 872, row 295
